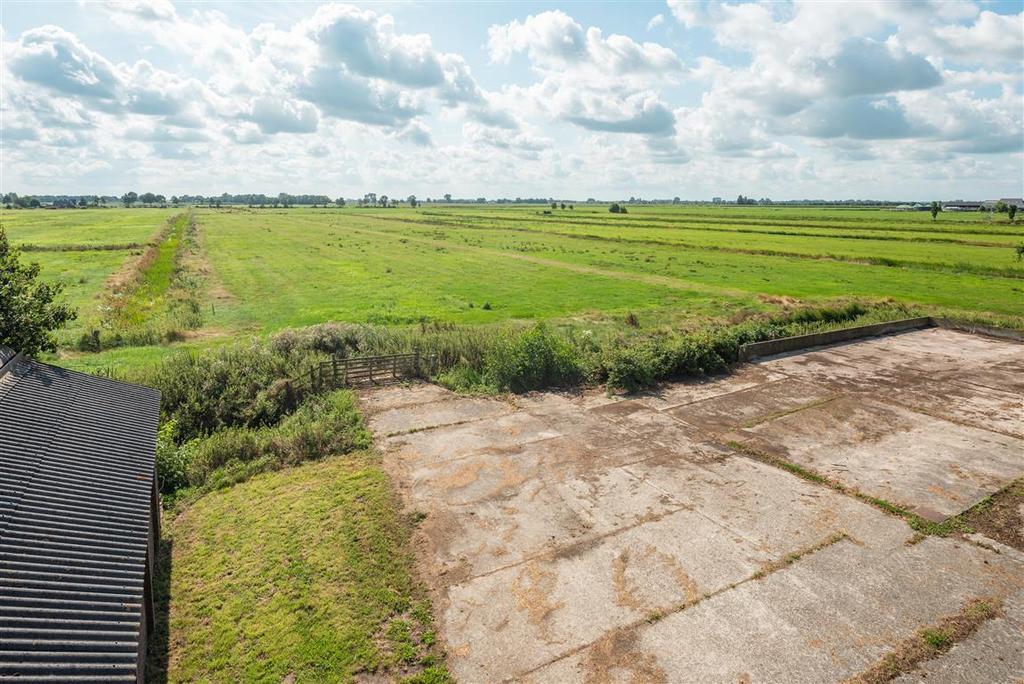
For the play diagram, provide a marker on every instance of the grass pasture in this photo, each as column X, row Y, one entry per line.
column 82, row 248
column 264, row 270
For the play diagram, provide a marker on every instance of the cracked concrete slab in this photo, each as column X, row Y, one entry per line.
column 993, row 654
column 584, row 537
column 746, row 407
column 931, row 466
column 420, row 416
column 824, row 618
column 688, row 392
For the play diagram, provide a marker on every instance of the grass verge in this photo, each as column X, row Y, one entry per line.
column 313, row 583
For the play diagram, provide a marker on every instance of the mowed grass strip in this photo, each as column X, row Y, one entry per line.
column 656, row 231
column 304, row 573
column 842, row 218
column 302, row 267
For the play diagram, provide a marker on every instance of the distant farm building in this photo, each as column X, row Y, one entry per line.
column 79, row 523
column 962, row 206
column 1008, row 201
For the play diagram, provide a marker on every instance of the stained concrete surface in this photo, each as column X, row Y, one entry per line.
column 580, row 537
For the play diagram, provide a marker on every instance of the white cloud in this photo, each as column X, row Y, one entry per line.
column 852, row 94
column 991, row 39
column 555, row 42
column 278, row 115
column 366, row 44
column 53, row 58
column 417, row 134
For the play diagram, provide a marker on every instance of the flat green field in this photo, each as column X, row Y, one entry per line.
column 268, row 269
column 80, row 227
column 81, row 248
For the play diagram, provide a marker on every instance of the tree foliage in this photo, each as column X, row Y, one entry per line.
column 29, row 310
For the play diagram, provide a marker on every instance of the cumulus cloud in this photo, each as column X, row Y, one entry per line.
column 991, row 39
column 417, row 134
column 857, row 117
column 345, row 97
column 865, row 67
column 277, row 115
column 51, row 57
column 649, row 117
column 367, row 44
column 555, row 41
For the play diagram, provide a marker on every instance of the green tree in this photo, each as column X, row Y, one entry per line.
column 29, row 312
column 936, row 208
column 129, row 198
column 1011, row 211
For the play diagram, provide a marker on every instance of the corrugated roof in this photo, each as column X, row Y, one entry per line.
column 76, row 477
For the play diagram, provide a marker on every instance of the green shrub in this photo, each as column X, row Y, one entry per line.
column 531, row 360
column 171, row 462
column 465, row 380
column 206, row 454
column 322, row 426
column 633, row 367
column 234, row 386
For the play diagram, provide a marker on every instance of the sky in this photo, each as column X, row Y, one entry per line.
column 870, row 99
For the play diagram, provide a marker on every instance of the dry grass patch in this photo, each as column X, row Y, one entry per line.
column 930, row 642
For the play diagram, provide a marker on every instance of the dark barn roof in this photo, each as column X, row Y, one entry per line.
column 78, row 523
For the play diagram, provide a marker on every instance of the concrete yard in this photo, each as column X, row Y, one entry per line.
column 581, row 537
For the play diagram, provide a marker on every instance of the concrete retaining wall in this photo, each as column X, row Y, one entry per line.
column 788, row 344
column 800, row 342
column 979, row 329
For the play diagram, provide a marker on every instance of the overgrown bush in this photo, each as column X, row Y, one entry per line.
column 464, row 380
column 322, row 426
column 531, row 360
column 234, row 386
column 171, row 462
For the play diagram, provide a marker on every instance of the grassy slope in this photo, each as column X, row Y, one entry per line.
column 148, row 297
column 316, row 580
